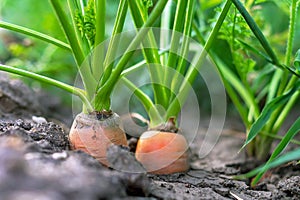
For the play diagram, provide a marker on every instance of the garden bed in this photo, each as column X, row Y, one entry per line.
column 36, row 162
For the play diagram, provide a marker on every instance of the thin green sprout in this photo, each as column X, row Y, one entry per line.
column 36, row 34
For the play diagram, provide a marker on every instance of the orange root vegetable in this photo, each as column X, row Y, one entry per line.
column 93, row 133
column 162, row 152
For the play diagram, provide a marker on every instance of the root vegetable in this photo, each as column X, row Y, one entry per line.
column 93, row 133
column 163, row 152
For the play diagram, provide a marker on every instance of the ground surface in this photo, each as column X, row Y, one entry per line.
column 37, row 163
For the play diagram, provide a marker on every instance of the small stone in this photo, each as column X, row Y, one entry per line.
column 271, row 187
column 222, row 191
column 39, row 120
column 33, row 156
column 60, row 155
column 44, row 144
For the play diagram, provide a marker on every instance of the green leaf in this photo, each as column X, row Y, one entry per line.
column 256, row 31
column 262, row 78
column 292, row 155
column 295, row 128
column 297, row 60
column 266, row 114
column 255, row 50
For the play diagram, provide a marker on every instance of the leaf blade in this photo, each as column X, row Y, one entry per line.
column 294, row 129
column 292, row 155
column 266, row 114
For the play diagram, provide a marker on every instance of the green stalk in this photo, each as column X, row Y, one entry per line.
column 154, row 115
column 273, row 88
column 112, row 48
column 186, row 33
column 113, row 43
column 274, row 124
column 293, row 80
column 232, row 49
column 265, row 142
column 100, row 21
column 174, row 107
column 184, row 50
column 230, row 76
column 165, row 25
column 69, row 31
column 133, row 68
column 285, row 111
column 198, row 33
column 76, row 91
column 292, row 26
column 72, row 36
column 281, row 79
column 82, row 41
column 289, row 47
column 229, row 79
column 98, row 54
column 104, row 92
column 140, row 14
column 34, row 34
column 139, row 65
column 80, row 6
column 256, row 31
column 178, row 27
column 238, row 86
column 259, row 35
column 278, row 137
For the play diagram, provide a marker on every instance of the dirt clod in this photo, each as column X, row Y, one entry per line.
column 290, row 186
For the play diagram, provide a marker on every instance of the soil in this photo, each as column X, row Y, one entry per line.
column 36, row 162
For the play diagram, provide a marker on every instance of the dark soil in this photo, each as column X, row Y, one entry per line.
column 37, row 163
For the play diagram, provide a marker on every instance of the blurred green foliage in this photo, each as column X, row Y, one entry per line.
column 31, row 54
column 272, row 17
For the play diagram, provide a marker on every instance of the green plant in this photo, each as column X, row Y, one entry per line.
column 264, row 89
column 263, row 84
column 84, row 26
column 171, row 84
